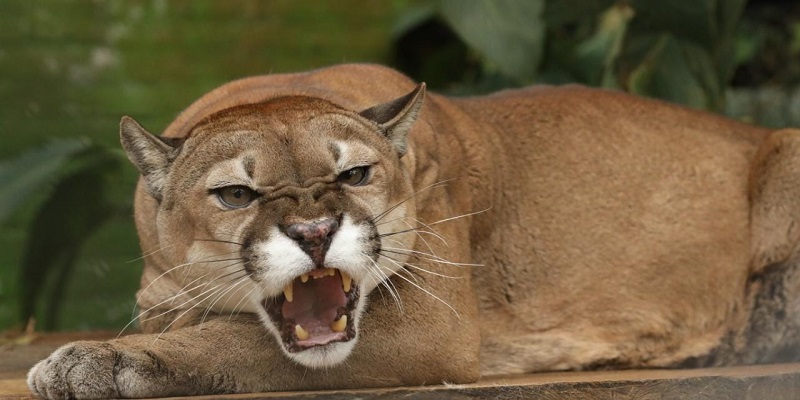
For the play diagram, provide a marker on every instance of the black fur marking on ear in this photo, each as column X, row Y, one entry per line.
column 172, row 142
column 396, row 117
column 152, row 155
column 385, row 112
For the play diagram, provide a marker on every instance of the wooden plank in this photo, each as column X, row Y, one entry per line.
column 777, row 381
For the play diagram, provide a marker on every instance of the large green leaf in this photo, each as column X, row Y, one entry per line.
column 666, row 73
column 558, row 13
column 80, row 202
column 690, row 20
column 33, row 172
column 706, row 31
column 595, row 57
column 509, row 34
column 706, row 73
column 728, row 14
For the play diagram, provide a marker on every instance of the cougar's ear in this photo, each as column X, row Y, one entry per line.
column 396, row 117
column 150, row 154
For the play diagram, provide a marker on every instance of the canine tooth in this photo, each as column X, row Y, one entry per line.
column 346, row 281
column 338, row 326
column 301, row 333
column 304, row 278
column 287, row 291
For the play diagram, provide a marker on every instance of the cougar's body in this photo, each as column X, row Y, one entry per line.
column 545, row 228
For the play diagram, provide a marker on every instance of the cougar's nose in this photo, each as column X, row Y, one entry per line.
column 313, row 232
column 314, row 238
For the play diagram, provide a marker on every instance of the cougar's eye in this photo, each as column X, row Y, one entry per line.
column 236, row 196
column 354, row 176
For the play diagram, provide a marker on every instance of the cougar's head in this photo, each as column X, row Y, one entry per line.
column 282, row 208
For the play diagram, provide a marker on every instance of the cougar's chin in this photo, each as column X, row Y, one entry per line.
column 315, row 317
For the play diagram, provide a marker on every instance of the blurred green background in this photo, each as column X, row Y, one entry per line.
column 70, row 69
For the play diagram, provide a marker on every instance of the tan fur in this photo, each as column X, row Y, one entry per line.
column 613, row 231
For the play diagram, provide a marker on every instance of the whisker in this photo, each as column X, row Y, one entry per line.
column 211, row 292
column 460, row 216
column 417, row 267
column 245, row 297
column 192, row 263
column 409, row 274
column 220, row 260
column 431, row 231
column 392, row 208
column 238, row 282
column 412, row 229
column 405, row 247
column 191, row 299
column 427, row 271
column 218, row 241
column 238, row 262
column 139, row 297
column 231, row 234
column 434, row 223
column 406, row 250
column 183, row 291
column 430, row 294
column 390, row 221
column 401, row 268
column 178, row 318
column 428, row 257
column 170, row 299
column 421, row 238
column 149, row 254
column 206, row 261
column 382, row 279
column 244, row 280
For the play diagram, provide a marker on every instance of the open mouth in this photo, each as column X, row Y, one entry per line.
column 315, row 309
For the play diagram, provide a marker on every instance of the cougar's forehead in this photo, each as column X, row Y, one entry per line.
column 264, row 150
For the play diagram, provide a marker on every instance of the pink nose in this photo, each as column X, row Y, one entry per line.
column 314, row 238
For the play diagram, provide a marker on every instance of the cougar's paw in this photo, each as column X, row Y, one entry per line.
column 94, row 370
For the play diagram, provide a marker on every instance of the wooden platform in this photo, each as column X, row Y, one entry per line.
column 769, row 382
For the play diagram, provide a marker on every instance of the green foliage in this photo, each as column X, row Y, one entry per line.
column 509, row 34
column 680, row 50
column 75, row 179
column 596, row 55
column 73, row 68
column 32, row 171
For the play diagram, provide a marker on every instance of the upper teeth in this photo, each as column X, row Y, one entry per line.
column 287, row 291
column 325, row 272
column 347, row 282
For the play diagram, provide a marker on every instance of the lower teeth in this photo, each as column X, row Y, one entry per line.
column 301, row 333
column 338, row 326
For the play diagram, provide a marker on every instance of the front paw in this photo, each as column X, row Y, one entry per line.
column 96, row 370
column 83, row 370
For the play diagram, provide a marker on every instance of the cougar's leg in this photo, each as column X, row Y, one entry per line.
column 426, row 343
column 775, row 199
column 769, row 329
column 772, row 332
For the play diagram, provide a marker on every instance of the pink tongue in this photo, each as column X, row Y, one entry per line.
column 315, row 303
